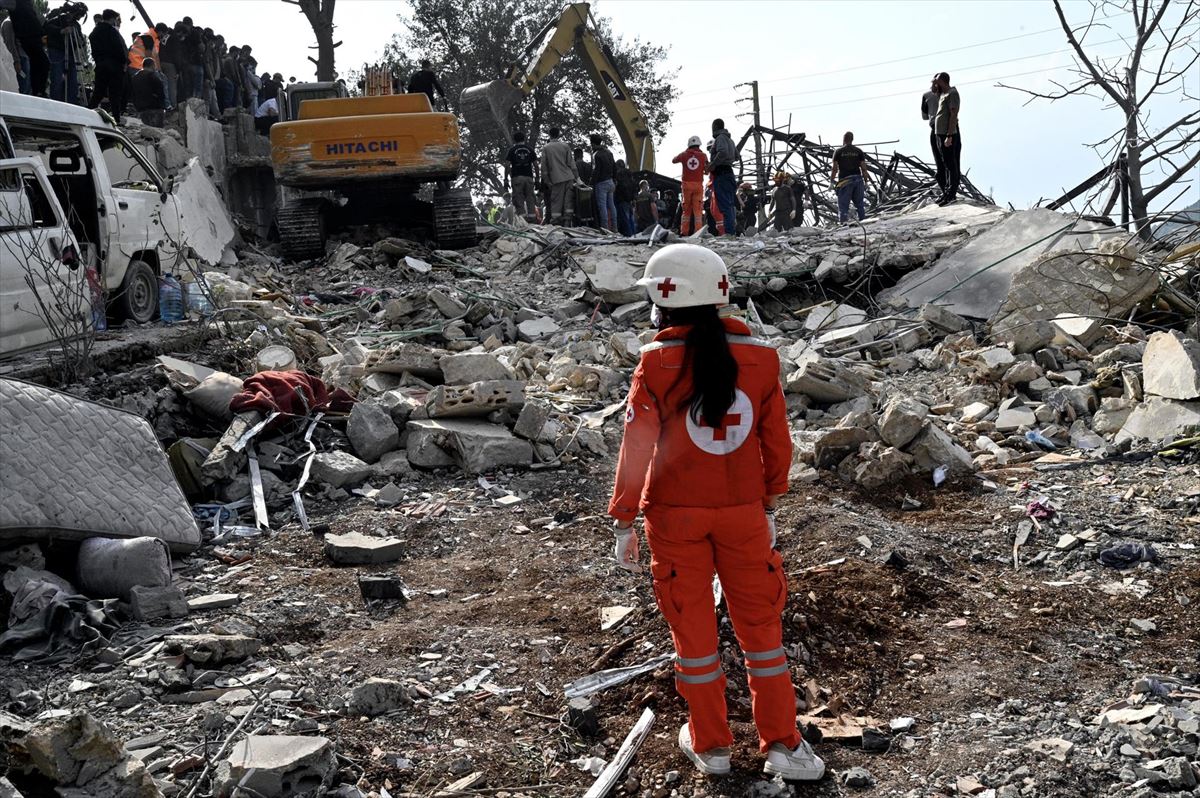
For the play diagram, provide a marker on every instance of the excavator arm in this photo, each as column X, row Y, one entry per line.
column 485, row 107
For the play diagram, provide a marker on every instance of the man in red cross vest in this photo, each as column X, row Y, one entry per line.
column 705, row 457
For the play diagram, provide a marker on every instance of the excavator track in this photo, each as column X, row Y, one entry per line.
column 302, row 229
column 454, row 220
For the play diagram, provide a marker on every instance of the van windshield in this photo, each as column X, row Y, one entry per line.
column 125, row 168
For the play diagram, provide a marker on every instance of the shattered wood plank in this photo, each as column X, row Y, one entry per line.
column 613, row 770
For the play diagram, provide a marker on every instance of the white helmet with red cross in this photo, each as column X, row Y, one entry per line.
column 686, row 275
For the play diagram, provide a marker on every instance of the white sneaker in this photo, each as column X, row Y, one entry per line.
column 799, row 765
column 714, row 762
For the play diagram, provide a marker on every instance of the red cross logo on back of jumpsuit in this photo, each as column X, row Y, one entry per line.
column 666, row 286
column 729, row 420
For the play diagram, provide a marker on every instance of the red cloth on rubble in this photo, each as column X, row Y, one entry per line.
column 292, row 392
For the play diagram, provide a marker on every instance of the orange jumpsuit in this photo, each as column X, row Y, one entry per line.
column 695, row 164
column 702, row 491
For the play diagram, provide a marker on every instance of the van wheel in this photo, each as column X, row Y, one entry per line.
column 138, row 297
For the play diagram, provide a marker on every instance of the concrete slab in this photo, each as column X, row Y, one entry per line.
column 205, row 225
column 1008, row 247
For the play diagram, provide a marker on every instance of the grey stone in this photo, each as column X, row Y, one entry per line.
column 826, row 381
column 942, row 319
column 1171, row 366
column 1013, row 415
column 1157, row 419
column 476, row 399
column 407, row 358
column 1024, row 372
column 532, row 420
column 339, row 469
column 535, row 329
column 1031, row 336
column 837, row 444
column 400, row 405
column 1121, row 353
column 212, row 649
column 990, row 363
column 890, row 465
column 1179, row 773
column 469, row 367
column 1080, row 398
column 82, row 757
column 902, row 420
column 476, row 446
column 393, row 465
column 1084, row 438
column 934, row 447
column 152, row 603
column 1113, row 413
column 214, row 601
column 857, row 778
column 447, row 305
column 278, row 766
column 616, row 282
column 1081, row 328
column 376, row 697
column 354, row 548
column 372, row 431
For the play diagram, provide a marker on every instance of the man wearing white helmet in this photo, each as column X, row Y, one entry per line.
column 705, row 456
column 695, row 166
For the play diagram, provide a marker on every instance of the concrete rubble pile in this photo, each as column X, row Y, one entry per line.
column 485, row 366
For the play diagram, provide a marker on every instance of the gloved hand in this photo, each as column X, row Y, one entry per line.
column 771, row 526
column 626, row 549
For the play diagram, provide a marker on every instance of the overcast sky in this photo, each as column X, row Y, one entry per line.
column 830, row 67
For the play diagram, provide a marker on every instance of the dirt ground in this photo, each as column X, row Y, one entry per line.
column 930, row 622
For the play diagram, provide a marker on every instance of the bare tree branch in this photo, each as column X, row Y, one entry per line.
column 1173, row 178
column 1082, row 56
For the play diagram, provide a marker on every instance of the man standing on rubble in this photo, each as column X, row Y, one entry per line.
column 850, row 164
column 945, row 127
column 724, row 154
column 929, row 105
column 559, row 173
column 603, row 180
column 705, row 457
column 695, row 165
column 519, row 163
column 110, row 55
column 424, row 80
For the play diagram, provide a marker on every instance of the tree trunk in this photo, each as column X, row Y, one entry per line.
column 319, row 14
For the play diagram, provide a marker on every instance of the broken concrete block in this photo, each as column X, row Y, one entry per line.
column 990, row 363
column 902, row 420
column 888, row 466
column 213, row 601
column 376, row 697
column 81, row 756
column 826, row 381
column 830, row 315
column 469, row 367
column 354, row 548
column 278, row 766
column 1080, row 328
column 476, row 399
column 1080, row 398
column 1158, row 419
column 1013, row 415
column 1023, row 373
column 223, row 463
column 535, row 329
column 616, row 282
column 1030, row 337
column 532, row 420
column 1113, row 413
column 204, row 222
column 447, row 305
column 934, row 447
column 837, row 444
column 404, row 358
column 339, row 469
column 372, row 431
column 476, row 446
column 400, row 404
column 1083, row 438
column 1171, row 366
column 152, row 603
column 976, row 411
column 942, row 319
column 211, row 649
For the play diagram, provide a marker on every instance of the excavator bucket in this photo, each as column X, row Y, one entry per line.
column 485, row 108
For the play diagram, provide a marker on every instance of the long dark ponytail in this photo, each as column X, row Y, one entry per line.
column 714, row 369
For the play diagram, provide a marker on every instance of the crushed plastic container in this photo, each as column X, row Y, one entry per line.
column 170, row 299
column 197, row 298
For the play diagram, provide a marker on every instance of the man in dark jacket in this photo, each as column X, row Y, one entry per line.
column 624, row 194
column 66, row 49
column 28, row 28
column 603, row 173
column 519, row 164
column 425, row 81
column 149, row 98
column 110, row 54
column 720, row 166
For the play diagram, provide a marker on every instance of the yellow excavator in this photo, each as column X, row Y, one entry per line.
column 357, row 160
column 485, row 107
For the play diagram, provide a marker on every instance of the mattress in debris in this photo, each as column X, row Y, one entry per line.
column 72, row 469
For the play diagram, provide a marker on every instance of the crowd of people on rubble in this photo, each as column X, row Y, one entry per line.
column 562, row 186
column 152, row 70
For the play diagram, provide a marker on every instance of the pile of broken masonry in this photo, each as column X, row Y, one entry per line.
column 936, row 343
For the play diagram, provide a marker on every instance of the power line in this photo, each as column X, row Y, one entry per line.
column 902, row 60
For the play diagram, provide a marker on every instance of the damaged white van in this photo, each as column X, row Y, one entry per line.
column 119, row 210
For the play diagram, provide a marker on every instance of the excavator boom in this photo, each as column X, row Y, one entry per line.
column 485, row 107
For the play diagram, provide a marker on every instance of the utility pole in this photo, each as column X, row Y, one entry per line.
column 761, row 183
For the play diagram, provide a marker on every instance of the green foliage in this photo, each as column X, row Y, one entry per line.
column 471, row 42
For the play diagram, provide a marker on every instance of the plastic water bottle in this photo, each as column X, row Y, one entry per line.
column 99, row 306
column 197, row 300
column 170, row 299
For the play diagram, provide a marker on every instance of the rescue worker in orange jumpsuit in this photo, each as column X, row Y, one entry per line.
column 705, row 456
column 695, row 166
